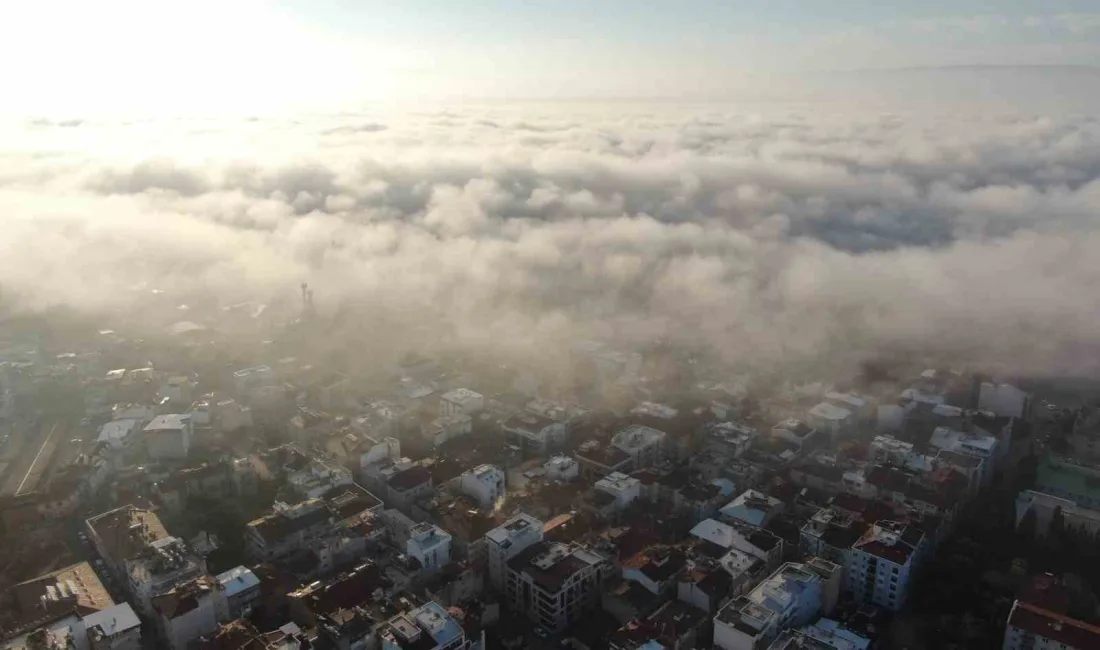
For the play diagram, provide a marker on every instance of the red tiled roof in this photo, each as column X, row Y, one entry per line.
column 1062, row 629
column 850, row 502
column 1047, row 592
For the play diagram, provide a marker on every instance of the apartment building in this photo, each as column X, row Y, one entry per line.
column 507, row 541
column 555, row 584
column 790, row 597
column 883, row 562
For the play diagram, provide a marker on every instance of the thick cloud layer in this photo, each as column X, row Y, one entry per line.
column 780, row 236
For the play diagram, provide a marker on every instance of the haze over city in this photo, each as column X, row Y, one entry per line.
column 358, row 324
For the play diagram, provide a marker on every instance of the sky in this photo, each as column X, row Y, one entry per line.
column 788, row 184
column 67, row 56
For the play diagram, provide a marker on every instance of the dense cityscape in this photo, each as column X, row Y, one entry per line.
column 165, row 487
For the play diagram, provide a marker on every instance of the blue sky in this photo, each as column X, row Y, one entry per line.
column 720, row 25
column 210, row 55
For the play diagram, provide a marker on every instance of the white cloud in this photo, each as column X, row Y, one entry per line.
column 794, row 237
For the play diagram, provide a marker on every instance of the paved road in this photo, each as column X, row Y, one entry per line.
column 41, row 460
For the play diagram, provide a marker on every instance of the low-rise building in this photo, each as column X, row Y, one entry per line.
column 485, row 484
column 119, row 434
column 461, row 401
column 832, row 420
column 796, row 432
column 655, row 568
column 241, row 589
column 408, row 486
column 597, row 460
column 753, row 508
column 674, row 626
column 247, row 379
column 1034, row 628
column 317, row 478
column 286, row 529
column 790, row 597
column 729, row 439
column 1070, row 478
column 168, row 437
column 533, row 432
column 706, row 584
column 976, row 443
column 123, row 534
column 1043, row 506
column 114, row 628
column 189, row 612
column 162, row 565
column 561, row 468
column 428, row 627
column 1004, row 400
column 430, row 546
column 624, row 489
column 447, row 427
column 643, row 444
column 825, row 634
column 757, row 542
column 75, row 588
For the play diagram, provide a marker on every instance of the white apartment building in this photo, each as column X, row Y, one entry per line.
column 485, row 484
column 830, row 534
column 655, row 410
column 825, row 634
column 189, row 612
column 832, row 420
column 795, row 432
column 533, row 432
column 758, row 543
column 248, row 379
column 143, row 413
column 447, row 427
column 428, row 627
column 561, row 468
column 164, row 564
column 1033, row 628
column 753, row 508
column 461, row 401
column 507, row 541
column 114, row 628
column 315, row 479
column 1005, row 400
column 625, row 489
column 888, row 450
column 643, row 444
column 118, row 434
column 241, row 589
column 1044, row 506
column 554, row 584
column 859, row 405
column 377, row 451
column 230, row 415
column 883, row 562
column 977, row 445
column 728, row 438
column 790, row 597
column 430, row 545
column 168, row 437
column 286, row 529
